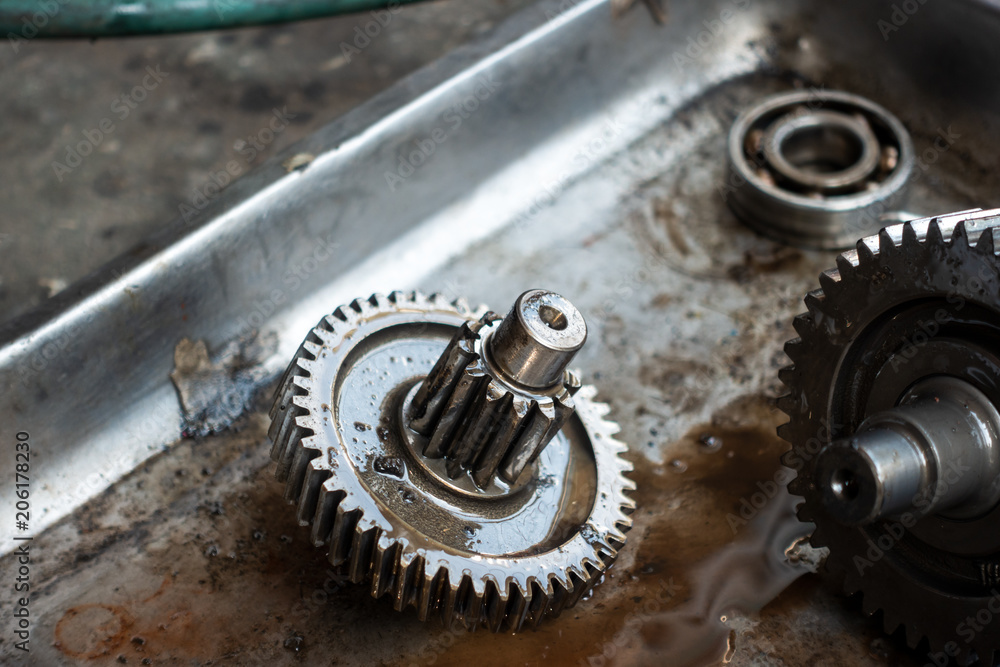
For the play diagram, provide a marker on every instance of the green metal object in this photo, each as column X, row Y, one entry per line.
column 26, row 19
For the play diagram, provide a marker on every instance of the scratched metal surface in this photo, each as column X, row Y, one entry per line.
column 193, row 558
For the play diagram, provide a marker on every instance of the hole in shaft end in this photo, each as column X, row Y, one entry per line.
column 552, row 317
column 845, row 486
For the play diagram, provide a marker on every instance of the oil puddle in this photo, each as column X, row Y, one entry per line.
column 729, row 528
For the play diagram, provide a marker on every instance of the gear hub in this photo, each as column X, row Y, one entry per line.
column 449, row 459
column 895, row 431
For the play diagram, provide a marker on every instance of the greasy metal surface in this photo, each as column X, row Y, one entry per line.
column 596, row 169
column 500, row 391
column 341, row 445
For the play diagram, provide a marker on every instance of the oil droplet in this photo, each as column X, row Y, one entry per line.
column 710, row 442
column 678, row 466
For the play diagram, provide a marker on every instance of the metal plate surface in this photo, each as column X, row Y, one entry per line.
column 568, row 149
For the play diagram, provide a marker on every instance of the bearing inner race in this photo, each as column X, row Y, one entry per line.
column 824, row 151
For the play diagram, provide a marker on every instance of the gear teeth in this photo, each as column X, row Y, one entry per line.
column 295, row 477
column 803, row 324
column 360, row 306
column 934, row 236
column 960, row 236
column 890, row 622
column 539, row 602
column 560, row 596
column 910, row 239
column 326, row 513
column 517, row 609
column 784, row 433
column 868, row 604
column 342, row 539
column 985, row 245
column 913, row 636
column 308, row 499
column 829, row 281
column 789, row 404
column 794, row 349
column 362, row 549
column 362, row 543
column 494, row 606
column 384, row 566
column 887, row 247
column 845, row 267
column 478, row 422
column 866, row 253
column 787, row 375
column 797, row 488
column 816, row 304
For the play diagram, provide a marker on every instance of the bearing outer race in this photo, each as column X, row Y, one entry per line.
column 833, row 223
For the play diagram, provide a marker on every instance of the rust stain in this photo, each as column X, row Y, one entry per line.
column 166, row 623
column 84, row 632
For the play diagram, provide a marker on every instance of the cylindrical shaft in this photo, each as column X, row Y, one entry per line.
column 538, row 339
column 935, row 452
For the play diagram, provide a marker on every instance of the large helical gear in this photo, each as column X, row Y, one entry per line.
column 502, row 556
column 917, row 305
